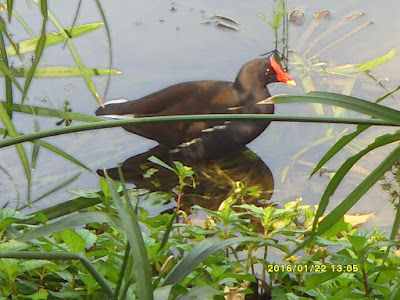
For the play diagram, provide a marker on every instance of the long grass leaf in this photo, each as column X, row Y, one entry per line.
column 339, row 145
column 20, row 149
column 361, row 67
column 9, row 74
column 110, row 124
column 345, row 168
column 201, row 252
column 62, row 209
column 51, row 38
column 38, row 51
column 53, row 190
column 358, row 192
column 23, row 23
column 78, row 60
column 110, row 56
column 139, row 254
column 352, row 103
column 36, row 147
column 4, row 66
column 9, row 9
column 47, row 112
column 56, row 72
column 68, row 222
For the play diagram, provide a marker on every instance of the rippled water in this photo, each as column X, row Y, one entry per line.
column 156, row 46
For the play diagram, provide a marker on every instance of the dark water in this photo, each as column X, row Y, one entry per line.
column 155, row 47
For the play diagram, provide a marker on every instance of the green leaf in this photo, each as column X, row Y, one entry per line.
column 73, row 240
column 9, row 9
column 139, row 253
column 202, row 251
column 38, row 50
column 346, row 166
column 57, row 72
column 358, row 192
column 20, row 149
column 51, row 38
column 68, row 222
column 77, row 59
column 365, row 66
column 339, row 145
column 47, row 112
column 352, row 103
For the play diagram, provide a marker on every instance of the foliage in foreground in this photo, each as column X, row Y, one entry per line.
column 222, row 255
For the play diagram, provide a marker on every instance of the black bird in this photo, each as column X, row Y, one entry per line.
column 212, row 139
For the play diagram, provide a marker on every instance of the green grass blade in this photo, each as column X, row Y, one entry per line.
column 9, row 9
column 110, row 53
column 5, row 71
column 365, row 66
column 201, row 252
column 36, row 147
column 24, row 24
column 345, row 168
column 110, row 124
column 139, row 253
column 7, row 82
column 53, row 190
column 339, row 145
column 396, row 224
column 20, row 149
column 62, row 209
column 64, row 155
column 62, row 256
column 266, row 19
column 51, row 38
column 38, row 51
column 55, row 72
column 78, row 60
column 358, row 192
column 68, row 222
column 57, row 151
column 352, row 103
column 347, row 138
column 47, row 112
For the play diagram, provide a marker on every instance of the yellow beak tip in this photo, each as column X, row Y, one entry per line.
column 291, row 82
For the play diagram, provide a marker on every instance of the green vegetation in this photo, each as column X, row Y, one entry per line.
column 118, row 254
column 103, row 244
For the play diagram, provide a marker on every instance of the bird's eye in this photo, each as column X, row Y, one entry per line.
column 266, row 71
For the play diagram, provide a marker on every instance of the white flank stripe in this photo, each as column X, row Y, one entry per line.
column 115, row 101
column 119, row 117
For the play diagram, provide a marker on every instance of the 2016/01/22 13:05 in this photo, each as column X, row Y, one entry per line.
column 312, row 268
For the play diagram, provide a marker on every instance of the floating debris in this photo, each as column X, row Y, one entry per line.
column 220, row 20
column 297, row 17
column 226, row 25
column 224, row 18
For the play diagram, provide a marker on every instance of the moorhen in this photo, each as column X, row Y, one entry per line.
column 205, row 140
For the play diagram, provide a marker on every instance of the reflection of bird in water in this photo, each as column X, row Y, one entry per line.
column 216, row 181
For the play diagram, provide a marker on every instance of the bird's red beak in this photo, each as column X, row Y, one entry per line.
column 282, row 76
